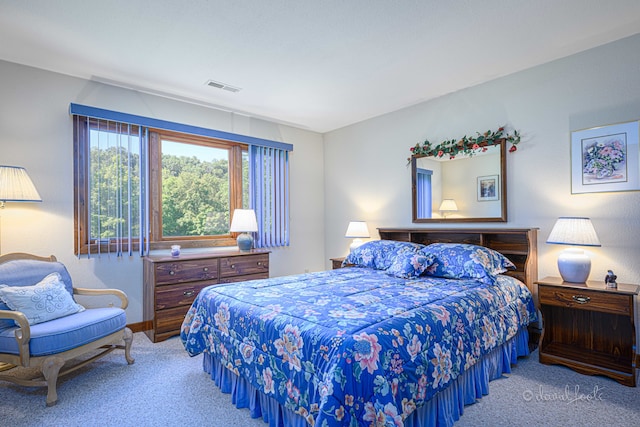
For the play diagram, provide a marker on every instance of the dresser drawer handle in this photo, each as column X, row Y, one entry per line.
column 581, row 299
column 205, row 269
column 188, row 293
column 172, row 272
column 260, row 263
column 233, row 266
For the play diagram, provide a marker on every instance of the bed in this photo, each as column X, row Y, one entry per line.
column 410, row 331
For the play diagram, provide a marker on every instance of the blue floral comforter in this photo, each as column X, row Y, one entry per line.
column 354, row 346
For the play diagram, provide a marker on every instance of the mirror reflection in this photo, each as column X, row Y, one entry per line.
column 464, row 189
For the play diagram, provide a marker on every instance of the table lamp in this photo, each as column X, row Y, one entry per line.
column 244, row 222
column 574, row 265
column 447, row 206
column 357, row 230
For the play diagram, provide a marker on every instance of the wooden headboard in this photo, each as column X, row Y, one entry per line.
column 520, row 245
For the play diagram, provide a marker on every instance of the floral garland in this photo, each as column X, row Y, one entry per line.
column 467, row 145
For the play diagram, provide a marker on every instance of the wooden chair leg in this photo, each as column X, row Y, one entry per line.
column 128, row 340
column 50, row 369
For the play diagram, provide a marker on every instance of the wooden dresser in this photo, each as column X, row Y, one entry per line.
column 171, row 284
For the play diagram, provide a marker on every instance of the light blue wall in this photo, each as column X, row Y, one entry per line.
column 366, row 176
column 36, row 133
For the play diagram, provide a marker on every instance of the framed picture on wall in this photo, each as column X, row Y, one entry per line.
column 488, row 188
column 605, row 158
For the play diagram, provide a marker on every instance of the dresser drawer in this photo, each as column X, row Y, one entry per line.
column 585, row 299
column 170, row 320
column 234, row 279
column 177, row 295
column 186, row 271
column 248, row 264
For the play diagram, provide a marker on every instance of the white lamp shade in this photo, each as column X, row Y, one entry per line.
column 573, row 231
column 357, row 229
column 573, row 264
column 16, row 186
column 244, row 220
column 448, row 205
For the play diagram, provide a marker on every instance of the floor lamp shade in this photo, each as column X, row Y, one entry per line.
column 16, row 186
column 244, row 222
column 574, row 265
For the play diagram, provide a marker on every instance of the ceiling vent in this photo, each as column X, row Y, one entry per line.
column 223, row 86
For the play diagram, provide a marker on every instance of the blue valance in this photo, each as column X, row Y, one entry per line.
column 100, row 113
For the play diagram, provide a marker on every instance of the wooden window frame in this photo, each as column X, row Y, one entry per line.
column 157, row 240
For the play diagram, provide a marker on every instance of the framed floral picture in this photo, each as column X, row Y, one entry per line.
column 488, row 188
column 605, row 158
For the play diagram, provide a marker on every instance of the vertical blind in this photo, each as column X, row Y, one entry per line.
column 269, row 195
column 113, row 176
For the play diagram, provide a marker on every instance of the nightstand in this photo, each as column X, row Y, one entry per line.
column 336, row 262
column 589, row 328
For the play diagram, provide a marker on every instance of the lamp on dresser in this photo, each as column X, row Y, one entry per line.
column 244, row 222
column 574, row 265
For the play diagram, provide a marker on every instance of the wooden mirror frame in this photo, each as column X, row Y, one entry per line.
column 503, row 192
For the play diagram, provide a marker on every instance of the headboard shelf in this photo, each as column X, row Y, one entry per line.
column 520, row 245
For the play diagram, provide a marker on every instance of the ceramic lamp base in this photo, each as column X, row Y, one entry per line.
column 245, row 241
column 574, row 265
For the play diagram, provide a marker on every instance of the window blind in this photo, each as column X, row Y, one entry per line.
column 269, row 195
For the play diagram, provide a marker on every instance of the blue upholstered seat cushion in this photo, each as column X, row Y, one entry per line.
column 67, row 332
column 27, row 272
column 44, row 301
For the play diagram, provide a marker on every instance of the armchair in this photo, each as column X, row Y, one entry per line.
column 35, row 341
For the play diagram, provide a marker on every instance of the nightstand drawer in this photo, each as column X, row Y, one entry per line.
column 248, row 264
column 186, row 271
column 584, row 299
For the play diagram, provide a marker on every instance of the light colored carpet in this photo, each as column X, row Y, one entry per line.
column 165, row 387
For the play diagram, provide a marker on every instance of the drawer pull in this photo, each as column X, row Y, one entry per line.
column 581, row 299
column 233, row 266
column 206, row 269
column 188, row 293
column 260, row 263
column 172, row 272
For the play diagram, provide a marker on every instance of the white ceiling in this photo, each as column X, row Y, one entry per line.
column 314, row 64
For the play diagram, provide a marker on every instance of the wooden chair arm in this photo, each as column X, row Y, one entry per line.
column 124, row 301
column 22, row 334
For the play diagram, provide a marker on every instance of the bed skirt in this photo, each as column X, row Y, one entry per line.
column 442, row 410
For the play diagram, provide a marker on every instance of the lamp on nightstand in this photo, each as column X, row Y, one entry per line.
column 357, row 230
column 244, row 222
column 574, row 265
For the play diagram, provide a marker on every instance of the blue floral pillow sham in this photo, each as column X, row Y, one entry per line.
column 466, row 261
column 380, row 254
column 408, row 265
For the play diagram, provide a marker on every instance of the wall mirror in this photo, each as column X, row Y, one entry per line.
column 464, row 189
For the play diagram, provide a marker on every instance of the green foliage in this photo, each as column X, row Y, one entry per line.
column 195, row 196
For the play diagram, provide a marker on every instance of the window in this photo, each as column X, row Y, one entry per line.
column 143, row 183
column 197, row 183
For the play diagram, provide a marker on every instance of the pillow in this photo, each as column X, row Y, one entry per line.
column 379, row 254
column 410, row 264
column 466, row 261
column 44, row 301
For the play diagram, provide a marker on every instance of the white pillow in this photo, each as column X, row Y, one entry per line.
column 44, row 301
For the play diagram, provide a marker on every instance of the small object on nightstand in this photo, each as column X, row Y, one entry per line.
column 610, row 279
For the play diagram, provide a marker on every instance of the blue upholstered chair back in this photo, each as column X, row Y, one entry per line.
column 24, row 272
